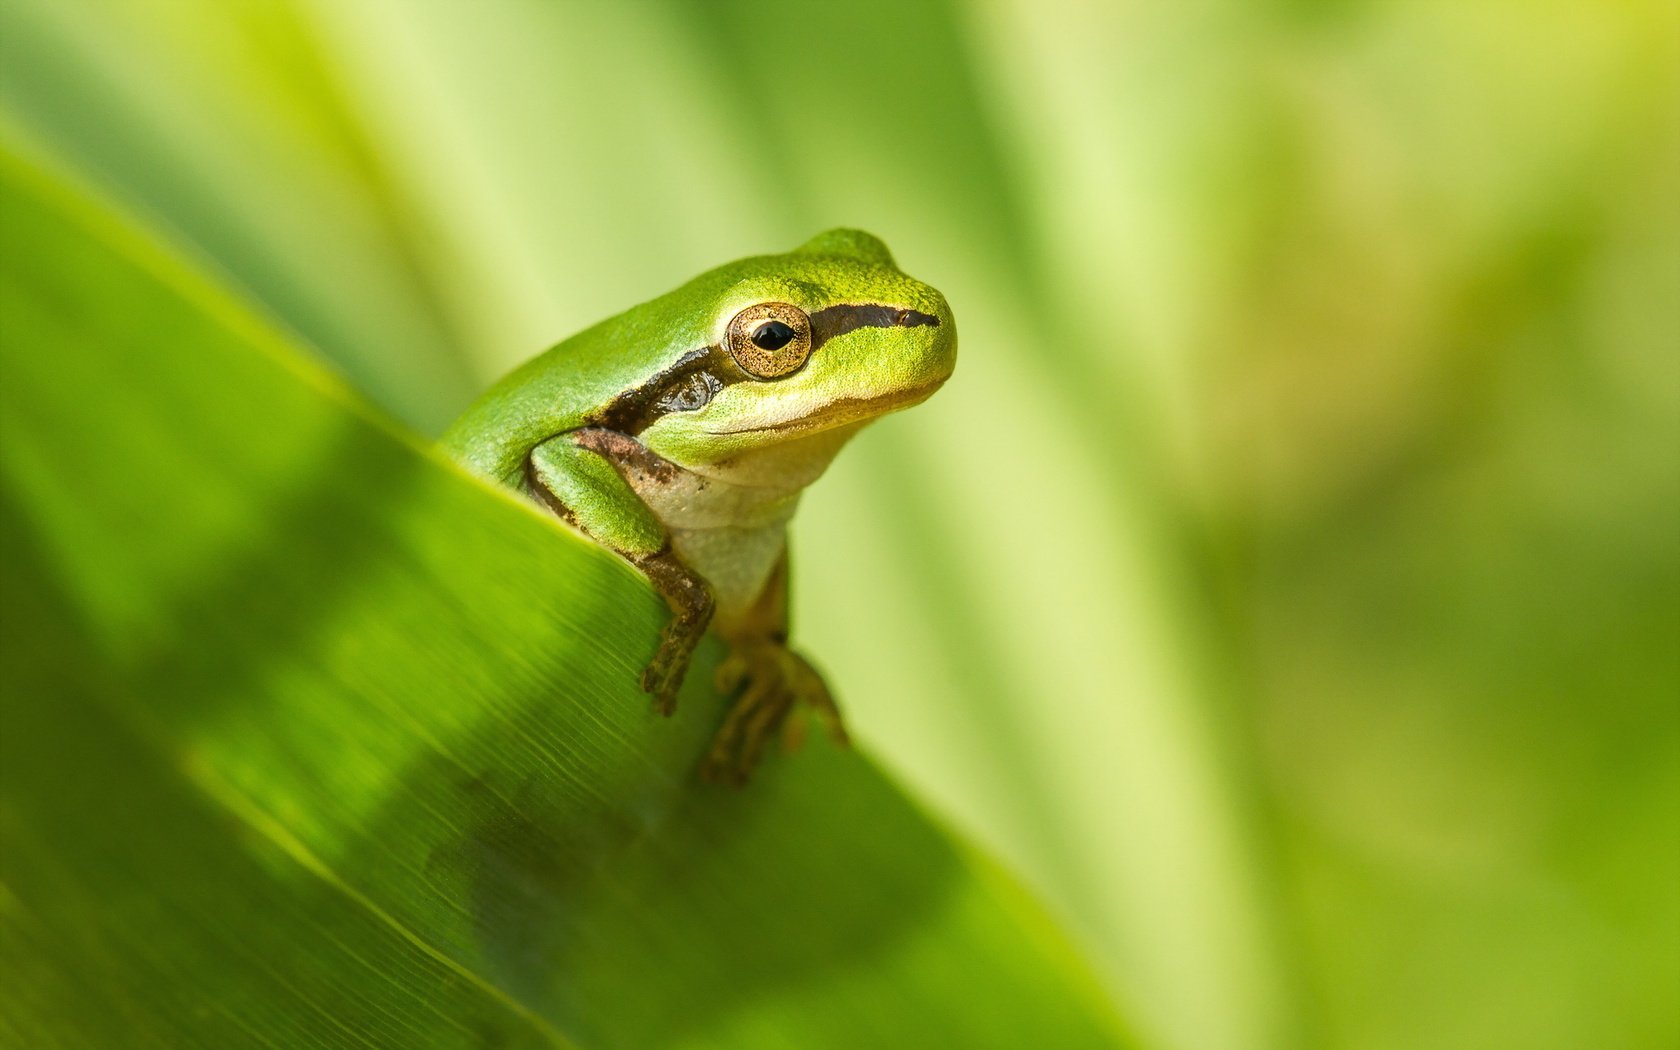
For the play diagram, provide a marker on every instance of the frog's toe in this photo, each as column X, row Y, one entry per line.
column 772, row 680
column 662, row 682
column 731, row 673
column 722, row 763
column 821, row 703
column 759, row 726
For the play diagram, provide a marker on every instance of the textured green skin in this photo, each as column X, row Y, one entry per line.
column 556, row 392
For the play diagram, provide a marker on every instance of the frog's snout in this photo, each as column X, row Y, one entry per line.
column 941, row 334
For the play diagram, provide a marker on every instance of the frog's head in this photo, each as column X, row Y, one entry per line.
column 814, row 342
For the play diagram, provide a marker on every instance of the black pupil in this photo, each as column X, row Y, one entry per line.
column 772, row 335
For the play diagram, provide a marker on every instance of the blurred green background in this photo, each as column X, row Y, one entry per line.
column 1287, row 586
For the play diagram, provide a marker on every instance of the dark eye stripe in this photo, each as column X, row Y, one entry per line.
column 676, row 389
column 832, row 321
column 689, row 395
column 679, row 387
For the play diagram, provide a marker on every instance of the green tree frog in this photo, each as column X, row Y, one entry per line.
column 680, row 434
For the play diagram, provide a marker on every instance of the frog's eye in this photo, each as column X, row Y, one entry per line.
column 770, row 340
column 772, row 336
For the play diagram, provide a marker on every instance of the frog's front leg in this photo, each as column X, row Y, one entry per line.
column 582, row 476
column 771, row 680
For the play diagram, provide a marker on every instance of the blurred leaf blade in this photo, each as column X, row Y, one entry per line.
column 196, row 116
column 351, row 748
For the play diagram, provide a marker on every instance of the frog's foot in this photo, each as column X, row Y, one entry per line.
column 770, row 679
column 691, row 607
column 663, row 676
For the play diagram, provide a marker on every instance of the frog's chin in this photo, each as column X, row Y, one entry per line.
column 841, row 412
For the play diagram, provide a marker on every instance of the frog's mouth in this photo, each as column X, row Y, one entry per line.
column 841, row 412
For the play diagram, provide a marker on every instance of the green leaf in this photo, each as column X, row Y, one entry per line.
column 311, row 739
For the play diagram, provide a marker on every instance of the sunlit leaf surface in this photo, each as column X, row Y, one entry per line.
column 310, row 739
